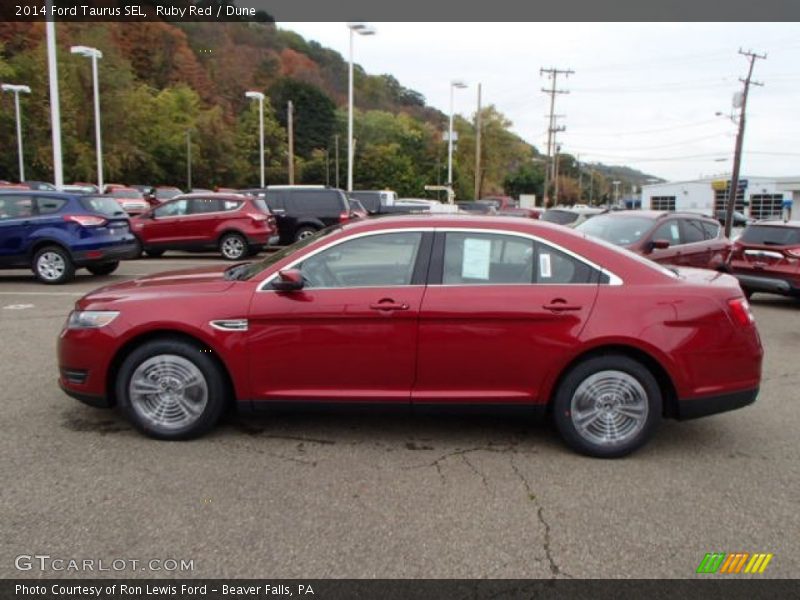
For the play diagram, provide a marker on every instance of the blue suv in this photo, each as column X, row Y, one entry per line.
column 55, row 233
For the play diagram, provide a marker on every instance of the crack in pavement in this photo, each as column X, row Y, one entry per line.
column 475, row 470
column 555, row 570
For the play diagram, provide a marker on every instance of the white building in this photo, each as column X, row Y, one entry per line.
column 756, row 197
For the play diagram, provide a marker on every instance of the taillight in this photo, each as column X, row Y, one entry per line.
column 793, row 252
column 258, row 217
column 344, row 217
column 740, row 311
column 86, row 220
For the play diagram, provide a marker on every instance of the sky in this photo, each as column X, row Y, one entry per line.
column 642, row 94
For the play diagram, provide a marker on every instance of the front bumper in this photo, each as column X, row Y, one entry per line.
column 694, row 408
column 106, row 254
column 88, row 399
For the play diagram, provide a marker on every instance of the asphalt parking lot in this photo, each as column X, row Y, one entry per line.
column 384, row 496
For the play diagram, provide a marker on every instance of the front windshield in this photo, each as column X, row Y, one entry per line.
column 254, row 268
column 621, row 231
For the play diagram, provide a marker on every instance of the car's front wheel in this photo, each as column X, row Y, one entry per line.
column 171, row 389
column 103, row 269
column 233, row 246
column 53, row 265
column 607, row 406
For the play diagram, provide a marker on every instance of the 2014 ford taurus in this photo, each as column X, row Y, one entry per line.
column 444, row 310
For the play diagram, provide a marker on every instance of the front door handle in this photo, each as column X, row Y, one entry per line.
column 561, row 306
column 388, row 304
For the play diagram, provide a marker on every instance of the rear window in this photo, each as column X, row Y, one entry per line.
column 316, row 202
column 370, row 200
column 260, row 204
column 619, row 230
column 561, row 217
column 771, row 235
column 102, row 204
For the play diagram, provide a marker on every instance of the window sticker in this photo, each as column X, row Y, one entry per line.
column 673, row 230
column 476, row 259
column 545, row 271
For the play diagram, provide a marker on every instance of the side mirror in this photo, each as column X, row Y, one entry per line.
column 289, row 280
column 659, row 244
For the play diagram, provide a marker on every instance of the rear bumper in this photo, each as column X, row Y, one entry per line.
column 694, row 408
column 106, row 254
column 774, row 285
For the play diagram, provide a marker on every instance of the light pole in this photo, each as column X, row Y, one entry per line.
column 456, row 83
column 260, row 97
column 94, row 54
column 16, row 89
column 360, row 29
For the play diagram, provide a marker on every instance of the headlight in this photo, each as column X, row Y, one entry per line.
column 90, row 319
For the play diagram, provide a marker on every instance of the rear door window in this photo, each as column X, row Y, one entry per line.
column 487, row 259
column 556, row 267
column 199, row 206
column 693, row 231
column 175, row 208
column 46, row 206
column 710, row 229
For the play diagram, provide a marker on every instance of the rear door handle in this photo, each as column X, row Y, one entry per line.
column 388, row 305
column 561, row 307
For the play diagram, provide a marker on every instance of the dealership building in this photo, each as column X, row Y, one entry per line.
column 756, row 197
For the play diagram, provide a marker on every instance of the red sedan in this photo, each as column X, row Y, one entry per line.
column 443, row 311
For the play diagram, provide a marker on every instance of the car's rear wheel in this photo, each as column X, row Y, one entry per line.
column 607, row 406
column 53, row 265
column 171, row 389
column 103, row 269
column 304, row 233
column 233, row 246
column 153, row 253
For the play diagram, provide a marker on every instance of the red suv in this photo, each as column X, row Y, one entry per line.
column 236, row 225
column 684, row 239
column 443, row 311
column 766, row 258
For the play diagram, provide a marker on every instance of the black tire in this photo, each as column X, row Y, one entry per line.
column 233, row 246
column 748, row 293
column 304, row 232
column 103, row 269
column 207, row 367
column 154, row 253
column 53, row 265
column 599, row 367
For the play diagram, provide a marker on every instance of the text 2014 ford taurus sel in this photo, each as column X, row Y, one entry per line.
column 442, row 310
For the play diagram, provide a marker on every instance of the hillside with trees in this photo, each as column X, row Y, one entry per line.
column 164, row 83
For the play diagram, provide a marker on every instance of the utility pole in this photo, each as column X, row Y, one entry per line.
column 580, row 178
column 555, row 172
column 327, row 167
column 737, row 155
column 616, row 193
column 188, row 160
column 290, row 124
column 336, row 141
column 591, row 187
column 552, row 74
column 478, row 147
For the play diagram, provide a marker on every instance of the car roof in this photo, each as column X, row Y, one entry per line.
column 222, row 195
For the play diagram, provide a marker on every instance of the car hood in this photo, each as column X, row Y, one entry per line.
column 200, row 280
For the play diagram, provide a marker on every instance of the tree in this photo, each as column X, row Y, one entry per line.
column 314, row 114
column 527, row 179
